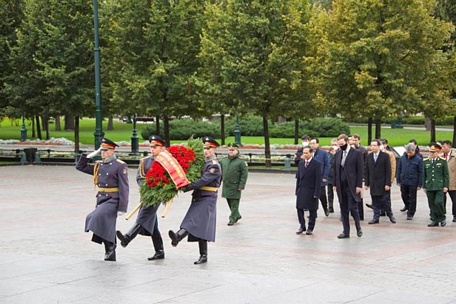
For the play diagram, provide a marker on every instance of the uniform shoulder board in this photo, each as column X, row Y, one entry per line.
column 427, row 158
column 98, row 162
column 214, row 162
column 441, row 157
column 120, row 161
column 246, row 164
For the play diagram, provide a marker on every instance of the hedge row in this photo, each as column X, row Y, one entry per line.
column 182, row 129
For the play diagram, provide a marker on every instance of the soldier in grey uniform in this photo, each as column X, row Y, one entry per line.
column 146, row 222
column 199, row 222
column 111, row 178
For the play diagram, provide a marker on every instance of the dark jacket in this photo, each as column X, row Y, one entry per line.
column 322, row 156
column 378, row 173
column 308, row 185
column 353, row 171
column 410, row 171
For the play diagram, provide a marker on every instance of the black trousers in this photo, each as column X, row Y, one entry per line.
column 452, row 194
column 408, row 194
column 302, row 220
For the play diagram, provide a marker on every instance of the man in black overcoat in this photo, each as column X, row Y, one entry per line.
column 348, row 181
column 308, row 187
column 378, row 179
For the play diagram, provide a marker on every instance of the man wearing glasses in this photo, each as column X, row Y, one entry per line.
column 435, row 184
column 234, row 176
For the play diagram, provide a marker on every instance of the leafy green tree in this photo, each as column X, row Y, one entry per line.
column 382, row 58
column 53, row 61
column 153, row 49
column 252, row 57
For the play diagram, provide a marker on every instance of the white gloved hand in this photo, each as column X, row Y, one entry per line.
column 120, row 213
column 94, row 153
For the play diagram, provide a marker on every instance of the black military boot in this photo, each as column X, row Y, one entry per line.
column 203, row 252
column 176, row 237
column 110, row 251
column 129, row 236
column 158, row 246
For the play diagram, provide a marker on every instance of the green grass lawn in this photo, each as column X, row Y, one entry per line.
column 123, row 132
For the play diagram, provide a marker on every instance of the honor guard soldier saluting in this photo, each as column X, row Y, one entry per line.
column 199, row 222
column 110, row 175
column 435, row 183
column 146, row 222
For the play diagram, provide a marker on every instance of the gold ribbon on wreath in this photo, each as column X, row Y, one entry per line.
column 173, row 168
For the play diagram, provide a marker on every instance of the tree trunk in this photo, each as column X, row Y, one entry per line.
column 166, row 129
column 33, row 127
column 222, row 129
column 433, row 135
column 45, row 121
column 369, row 130
column 454, row 132
column 76, row 134
column 427, row 123
column 69, row 122
column 38, row 127
column 267, row 146
column 378, row 129
column 110, row 123
column 157, row 125
column 296, row 131
column 57, row 126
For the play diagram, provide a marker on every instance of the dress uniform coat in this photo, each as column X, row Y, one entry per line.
column 235, row 173
column 308, row 185
column 111, row 177
column 436, row 177
column 147, row 216
column 200, row 220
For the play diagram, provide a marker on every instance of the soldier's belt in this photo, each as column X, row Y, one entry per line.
column 207, row 188
column 108, row 189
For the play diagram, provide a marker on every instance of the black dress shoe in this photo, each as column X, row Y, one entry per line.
column 454, row 219
column 159, row 255
column 309, row 232
column 300, row 231
column 409, row 218
column 443, row 223
column 237, row 219
column 326, row 212
column 369, row 206
column 359, row 233
column 331, row 210
column 231, row 223
column 392, row 219
column 201, row 260
column 373, row 222
column 404, row 209
column 433, row 224
column 343, row 236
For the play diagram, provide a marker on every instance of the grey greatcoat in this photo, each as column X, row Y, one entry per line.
column 308, row 185
column 111, row 177
column 200, row 220
column 147, row 216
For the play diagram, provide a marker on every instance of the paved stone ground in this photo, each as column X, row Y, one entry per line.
column 45, row 256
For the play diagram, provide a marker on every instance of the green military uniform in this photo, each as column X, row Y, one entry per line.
column 234, row 177
column 436, row 177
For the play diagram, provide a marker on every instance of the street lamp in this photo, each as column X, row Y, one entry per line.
column 134, row 138
column 237, row 132
column 98, row 125
column 23, row 130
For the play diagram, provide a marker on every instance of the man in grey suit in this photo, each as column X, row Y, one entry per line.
column 348, row 182
column 378, row 179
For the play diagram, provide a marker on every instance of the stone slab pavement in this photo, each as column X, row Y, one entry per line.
column 46, row 257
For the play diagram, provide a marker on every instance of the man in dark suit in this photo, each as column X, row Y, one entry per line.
column 348, row 181
column 308, row 188
column 378, row 179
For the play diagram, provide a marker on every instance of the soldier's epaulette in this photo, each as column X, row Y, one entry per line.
column 120, row 161
column 427, row 158
column 98, row 161
column 214, row 162
column 441, row 157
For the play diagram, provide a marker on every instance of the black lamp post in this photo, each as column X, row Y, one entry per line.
column 237, row 132
column 23, row 130
column 134, row 138
column 98, row 125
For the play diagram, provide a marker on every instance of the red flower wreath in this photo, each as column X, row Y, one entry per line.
column 157, row 175
column 159, row 187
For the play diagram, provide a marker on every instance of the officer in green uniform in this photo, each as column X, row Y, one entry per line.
column 234, row 177
column 436, row 181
